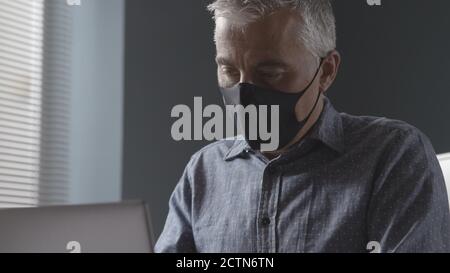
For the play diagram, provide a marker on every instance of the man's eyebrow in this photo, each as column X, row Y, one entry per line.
column 267, row 63
column 222, row 60
column 272, row 63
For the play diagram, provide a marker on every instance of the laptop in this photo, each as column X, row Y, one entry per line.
column 100, row 228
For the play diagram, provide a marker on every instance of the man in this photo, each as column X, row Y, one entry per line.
column 339, row 183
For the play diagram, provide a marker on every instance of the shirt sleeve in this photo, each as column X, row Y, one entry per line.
column 409, row 208
column 177, row 236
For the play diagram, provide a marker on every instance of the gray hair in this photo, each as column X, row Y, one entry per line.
column 318, row 31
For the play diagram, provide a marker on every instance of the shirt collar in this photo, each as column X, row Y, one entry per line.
column 328, row 130
column 239, row 147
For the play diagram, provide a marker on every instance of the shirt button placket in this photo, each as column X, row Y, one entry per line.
column 264, row 221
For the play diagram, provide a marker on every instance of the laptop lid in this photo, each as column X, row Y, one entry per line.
column 115, row 227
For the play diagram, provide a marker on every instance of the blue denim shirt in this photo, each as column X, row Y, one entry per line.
column 351, row 180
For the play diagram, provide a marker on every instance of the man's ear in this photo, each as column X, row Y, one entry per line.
column 330, row 68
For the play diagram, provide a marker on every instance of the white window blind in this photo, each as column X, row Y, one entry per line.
column 34, row 50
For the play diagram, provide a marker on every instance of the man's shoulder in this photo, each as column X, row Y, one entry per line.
column 382, row 130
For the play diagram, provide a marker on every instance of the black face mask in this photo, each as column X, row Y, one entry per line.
column 248, row 94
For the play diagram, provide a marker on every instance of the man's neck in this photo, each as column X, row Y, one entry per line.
column 301, row 134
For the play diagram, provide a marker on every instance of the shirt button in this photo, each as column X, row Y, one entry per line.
column 265, row 221
column 246, row 153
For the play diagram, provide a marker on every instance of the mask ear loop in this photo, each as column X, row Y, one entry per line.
column 318, row 96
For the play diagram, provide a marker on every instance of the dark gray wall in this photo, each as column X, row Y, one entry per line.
column 394, row 64
column 169, row 60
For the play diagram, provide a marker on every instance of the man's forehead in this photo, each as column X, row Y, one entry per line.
column 273, row 32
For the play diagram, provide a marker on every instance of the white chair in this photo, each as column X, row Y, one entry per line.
column 444, row 160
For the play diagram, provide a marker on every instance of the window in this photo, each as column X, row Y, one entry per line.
column 34, row 49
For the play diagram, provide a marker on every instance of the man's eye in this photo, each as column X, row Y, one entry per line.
column 229, row 71
column 270, row 75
